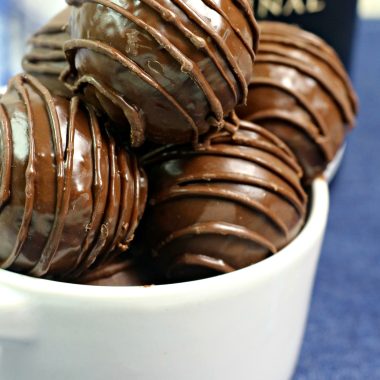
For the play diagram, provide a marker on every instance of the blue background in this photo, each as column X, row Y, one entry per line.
column 342, row 339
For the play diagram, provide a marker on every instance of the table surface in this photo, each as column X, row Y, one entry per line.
column 342, row 338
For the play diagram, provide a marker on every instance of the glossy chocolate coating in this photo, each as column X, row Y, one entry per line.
column 46, row 59
column 69, row 196
column 119, row 272
column 301, row 92
column 229, row 203
column 164, row 70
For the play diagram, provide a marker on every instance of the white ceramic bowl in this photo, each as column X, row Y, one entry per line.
column 333, row 167
column 245, row 325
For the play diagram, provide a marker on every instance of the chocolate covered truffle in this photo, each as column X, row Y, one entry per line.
column 69, row 196
column 119, row 272
column 163, row 70
column 45, row 58
column 301, row 92
column 230, row 202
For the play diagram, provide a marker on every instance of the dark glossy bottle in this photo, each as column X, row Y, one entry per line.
column 333, row 20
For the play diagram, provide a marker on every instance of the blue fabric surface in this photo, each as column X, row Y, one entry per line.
column 342, row 339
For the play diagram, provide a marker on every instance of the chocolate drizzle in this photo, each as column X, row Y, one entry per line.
column 204, row 24
column 30, row 176
column 46, row 59
column 301, row 92
column 6, row 158
column 82, row 197
column 232, row 201
column 176, row 48
column 124, row 271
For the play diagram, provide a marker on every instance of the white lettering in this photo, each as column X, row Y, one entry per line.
column 294, row 6
column 269, row 6
column 315, row 6
column 288, row 7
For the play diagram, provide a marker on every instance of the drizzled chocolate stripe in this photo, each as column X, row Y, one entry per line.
column 276, row 148
column 202, row 191
column 99, row 189
column 63, row 185
column 199, row 71
column 282, row 114
column 103, row 272
column 240, row 191
column 6, row 146
column 186, row 64
column 242, row 179
column 300, row 99
column 198, row 42
column 45, row 56
column 52, row 44
column 308, row 129
column 76, row 169
column 194, row 16
column 270, row 143
column 139, row 198
column 328, row 59
column 191, row 259
column 218, row 229
column 44, row 69
column 237, row 31
column 132, row 115
column 127, row 199
column 297, row 69
column 30, row 176
column 248, row 12
column 110, row 217
column 288, row 177
column 339, row 98
column 126, row 62
column 268, row 137
column 294, row 32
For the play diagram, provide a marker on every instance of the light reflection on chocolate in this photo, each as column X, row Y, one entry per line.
column 163, row 70
column 69, row 196
column 232, row 201
column 122, row 271
column 302, row 93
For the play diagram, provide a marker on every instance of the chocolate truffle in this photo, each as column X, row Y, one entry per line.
column 301, row 92
column 68, row 195
column 46, row 59
column 119, row 272
column 164, row 70
column 231, row 202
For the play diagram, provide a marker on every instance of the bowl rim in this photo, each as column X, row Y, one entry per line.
column 310, row 235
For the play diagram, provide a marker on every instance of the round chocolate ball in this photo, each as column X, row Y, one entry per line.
column 45, row 58
column 163, row 70
column 68, row 195
column 231, row 202
column 301, row 92
column 122, row 271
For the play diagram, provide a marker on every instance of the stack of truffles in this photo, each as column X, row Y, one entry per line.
column 123, row 160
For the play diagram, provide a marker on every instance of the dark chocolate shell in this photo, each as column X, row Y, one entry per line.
column 122, row 271
column 163, row 70
column 301, row 92
column 45, row 58
column 69, row 196
column 231, row 202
